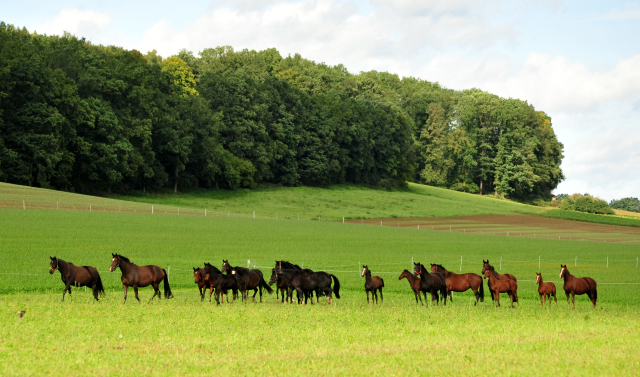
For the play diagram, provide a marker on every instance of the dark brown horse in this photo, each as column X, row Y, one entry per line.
column 415, row 285
column 461, row 282
column 373, row 285
column 497, row 286
column 545, row 290
column 247, row 280
column 203, row 280
column 431, row 282
column 486, row 266
column 578, row 286
column 140, row 276
column 221, row 282
column 72, row 275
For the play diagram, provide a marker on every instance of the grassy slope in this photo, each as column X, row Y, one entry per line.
column 591, row 217
column 182, row 335
column 335, row 202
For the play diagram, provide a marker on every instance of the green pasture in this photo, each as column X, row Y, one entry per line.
column 592, row 217
column 338, row 201
column 183, row 335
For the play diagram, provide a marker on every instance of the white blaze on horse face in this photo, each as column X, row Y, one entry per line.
column 363, row 272
column 561, row 271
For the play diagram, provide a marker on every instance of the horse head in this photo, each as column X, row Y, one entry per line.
column 486, row 274
column 197, row 274
column 417, row 268
column 53, row 265
column 274, row 276
column 225, row 265
column 365, row 271
column 486, row 266
column 563, row 270
column 404, row 274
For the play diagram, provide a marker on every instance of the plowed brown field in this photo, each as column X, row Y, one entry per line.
column 517, row 226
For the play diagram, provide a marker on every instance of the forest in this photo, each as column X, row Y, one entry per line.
column 90, row 118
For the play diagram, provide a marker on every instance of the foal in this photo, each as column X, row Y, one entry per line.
column 414, row 283
column 497, row 286
column 545, row 290
column 372, row 284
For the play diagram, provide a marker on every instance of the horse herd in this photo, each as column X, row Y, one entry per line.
column 290, row 277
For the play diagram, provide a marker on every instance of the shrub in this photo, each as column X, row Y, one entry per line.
column 626, row 204
column 586, row 203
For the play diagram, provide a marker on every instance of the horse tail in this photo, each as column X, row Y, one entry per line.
column 99, row 286
column 443, row 288
column 336, row 285
column 481, row 291
column 265, row 285
column 382, row 280
column 167, row 289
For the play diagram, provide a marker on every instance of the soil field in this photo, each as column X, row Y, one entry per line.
column 518, row 226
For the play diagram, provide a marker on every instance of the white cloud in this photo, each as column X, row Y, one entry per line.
column 86, row 24
column 631, row 11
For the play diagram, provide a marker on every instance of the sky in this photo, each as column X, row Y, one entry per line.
column 578, row 61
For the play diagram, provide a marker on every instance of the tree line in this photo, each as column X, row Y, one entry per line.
column 84, row 117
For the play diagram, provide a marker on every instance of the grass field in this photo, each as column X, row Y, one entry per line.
column 182, row 335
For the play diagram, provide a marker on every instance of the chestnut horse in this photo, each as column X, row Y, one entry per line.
column 431, row 282
column 545, row 290
column 461, row 282
column 486, row 266
column 204, row 281
column 497, row 286
column 415, row 285
column 140, row 276
column 578, row 286
column 85, row 276
column 221, row 282
column 373, row 285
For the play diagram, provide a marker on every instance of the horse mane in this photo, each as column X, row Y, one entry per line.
column 440, row 266
column 124, row 258
column 214, row 268
column 289, row 266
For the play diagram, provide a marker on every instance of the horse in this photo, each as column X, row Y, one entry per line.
column 372, row 284
column 304, row 283
column 497, row 286
column 247, row 280
column 140, row 276
column 283, row 285
column 221, row 282
column 461, row 282
column 203, row 280
column 545, row 290
column 85, row 276
column 431, row 282
column 487, row 266
column 414, row 283
column 578, row 286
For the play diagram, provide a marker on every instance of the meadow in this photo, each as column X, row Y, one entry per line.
column 183, row 335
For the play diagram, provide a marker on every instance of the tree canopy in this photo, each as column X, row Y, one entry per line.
column 78, row 116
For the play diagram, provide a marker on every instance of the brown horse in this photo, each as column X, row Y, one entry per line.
column 247, row 280
column 578, row 286
column 85, row 276
column 415, row 285
column 203, row 280
column 486, row 266
column 545, row 290
column 431, row 282
column 373, row 285
column 498, row 286
column 140, row 276
column 461, row 282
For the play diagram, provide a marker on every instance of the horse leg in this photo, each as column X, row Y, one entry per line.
column 541, row 299
column 573, row 300
column 94, row 288
column 255, row 292
column 374, row 295
column 135, row 290
column 66, row 287
column 381, row 297
column 367, row 296
column 126, row 288
column 210, row 293
column 568, row 293
column 497, row 298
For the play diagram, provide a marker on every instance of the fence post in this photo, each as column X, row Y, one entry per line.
column 538, row 263
column 607, row 262
column 576, row 262
column 343, row 219
column 23, row 205
column 168, row 271
column 254, row 214
column 205, row 212
column 500, row 263
column 89, row 207
column 449, row 229
column 380, row 222
column 152, row 210
column 57, row 205
column 298, row 216
column 636, row 262
column 507, row 233
column 418, row 226
column 461, row 263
